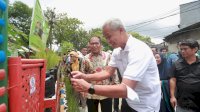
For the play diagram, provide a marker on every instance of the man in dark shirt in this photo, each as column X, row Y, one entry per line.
column 185, row 77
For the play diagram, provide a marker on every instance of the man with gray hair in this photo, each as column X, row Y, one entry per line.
column 140, row 84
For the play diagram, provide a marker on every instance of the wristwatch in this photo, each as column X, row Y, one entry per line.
column 91, row 89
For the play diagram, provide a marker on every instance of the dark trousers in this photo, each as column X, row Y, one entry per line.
column 125, row 107
column 116, row 104
column 106, row 105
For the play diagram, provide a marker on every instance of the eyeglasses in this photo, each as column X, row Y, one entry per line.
column 94, row 44
column 72, row 56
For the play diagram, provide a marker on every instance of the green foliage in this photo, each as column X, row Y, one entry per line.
column 51, row 57
column 71, row 98
column 66, row 29
column 16, row 39
column 65, row 46
column 50, row 15
column 19, row 15
column 145, row 39
column 70, row 30
column 96, row 32
column 83, row 39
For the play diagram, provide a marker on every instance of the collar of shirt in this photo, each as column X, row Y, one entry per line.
column 100, row 54
column 184, row 61
column 128, row 44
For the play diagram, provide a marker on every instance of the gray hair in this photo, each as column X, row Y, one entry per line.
column 114, row 24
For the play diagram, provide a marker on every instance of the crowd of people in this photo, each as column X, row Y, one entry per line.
column 147, row 79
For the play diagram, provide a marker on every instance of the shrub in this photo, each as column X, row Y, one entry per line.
column 71, row 98
column 52, row 58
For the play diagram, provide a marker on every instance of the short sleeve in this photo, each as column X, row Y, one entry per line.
column 113, row 60
column 172, row 71
column 138, row 65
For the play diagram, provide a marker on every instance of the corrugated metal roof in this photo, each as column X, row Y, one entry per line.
column 192, row 27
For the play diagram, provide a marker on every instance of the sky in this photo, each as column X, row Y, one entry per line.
column 93, row 13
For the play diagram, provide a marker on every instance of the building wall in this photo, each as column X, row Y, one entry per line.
column 172, row 44
column 189, row 14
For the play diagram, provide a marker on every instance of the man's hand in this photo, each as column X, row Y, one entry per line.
column 173, row 101
column 80, row 85
column 78, row 75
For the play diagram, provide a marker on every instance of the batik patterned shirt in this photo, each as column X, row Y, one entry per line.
column 98, row 63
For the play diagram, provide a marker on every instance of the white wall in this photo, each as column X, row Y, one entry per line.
column 172, row 44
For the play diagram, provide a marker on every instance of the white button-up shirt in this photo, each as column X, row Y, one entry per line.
column 136, row 62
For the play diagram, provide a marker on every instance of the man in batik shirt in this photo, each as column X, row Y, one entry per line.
column 98, row 60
